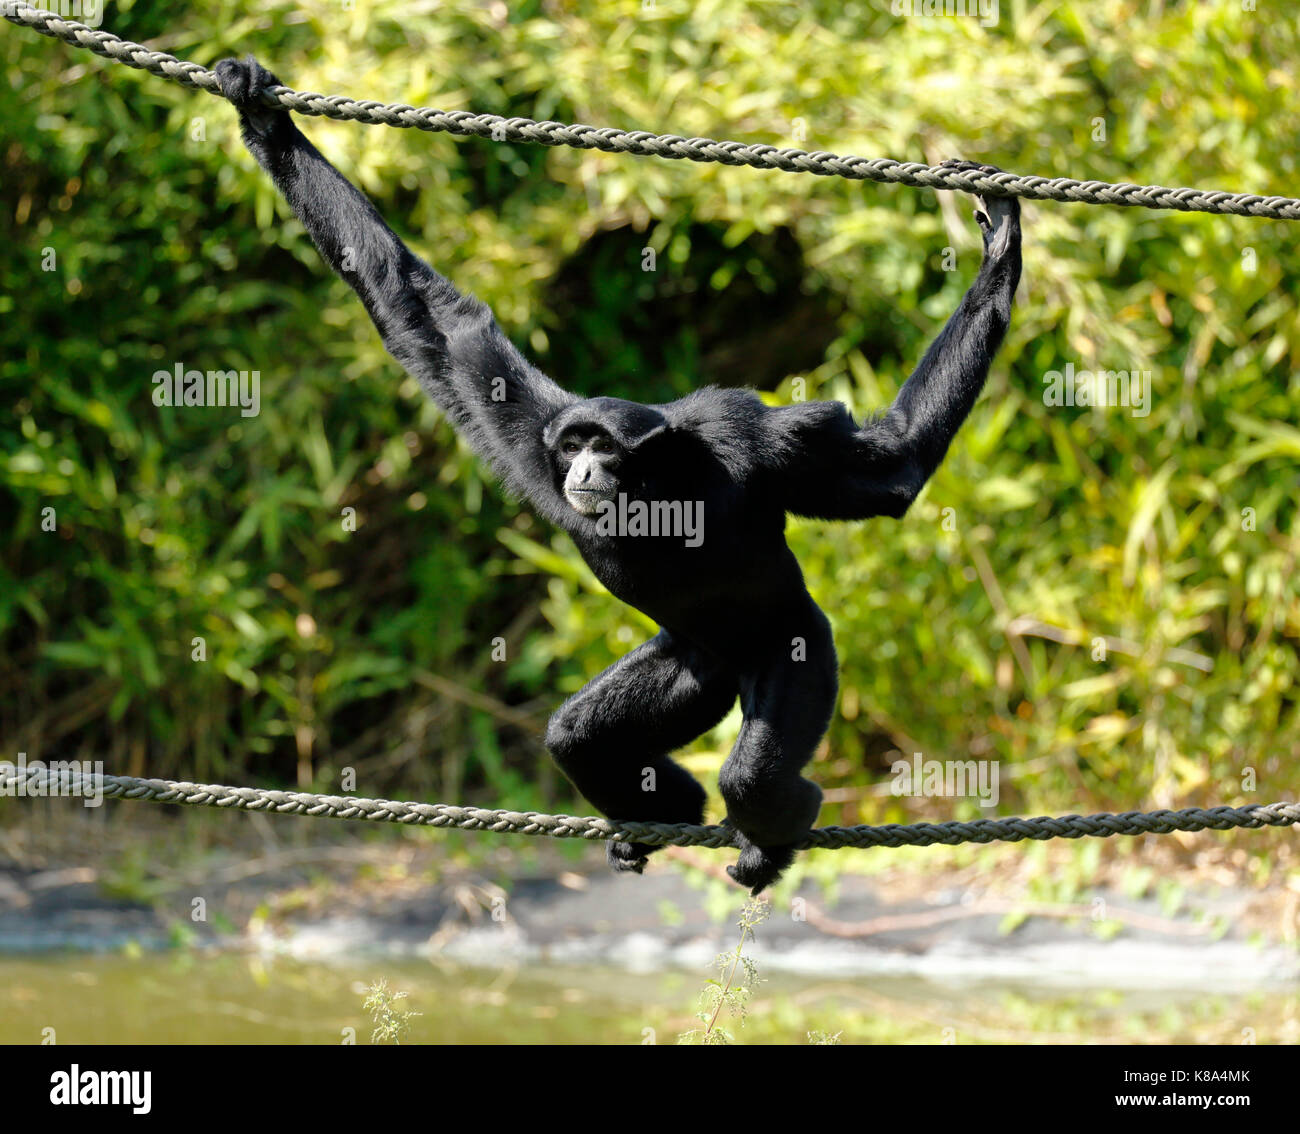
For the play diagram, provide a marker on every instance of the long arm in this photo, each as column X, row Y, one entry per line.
column 846, row 473
column 497, row 400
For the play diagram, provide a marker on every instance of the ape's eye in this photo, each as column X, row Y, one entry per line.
column 571, row 447
column 601, row 445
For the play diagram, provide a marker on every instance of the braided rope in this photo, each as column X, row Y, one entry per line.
column 637, row 142
column 39, row 781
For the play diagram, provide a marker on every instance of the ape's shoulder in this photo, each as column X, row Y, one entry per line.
column 749, row 435
column 727, row 422
column 712, row 405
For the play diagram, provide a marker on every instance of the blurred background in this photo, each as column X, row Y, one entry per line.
column 1104, row 603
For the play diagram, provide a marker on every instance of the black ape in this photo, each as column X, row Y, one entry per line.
column 717, row 468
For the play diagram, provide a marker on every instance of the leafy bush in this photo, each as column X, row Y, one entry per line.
column 1106, row 603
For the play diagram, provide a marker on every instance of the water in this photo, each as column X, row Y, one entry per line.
column 188, row 997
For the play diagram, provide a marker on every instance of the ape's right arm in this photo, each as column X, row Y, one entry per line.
column 497, row 400
column 831, row 469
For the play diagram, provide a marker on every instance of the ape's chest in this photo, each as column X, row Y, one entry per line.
column 682, row 575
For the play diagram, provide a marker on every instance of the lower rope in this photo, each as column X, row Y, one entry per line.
column 38, row 781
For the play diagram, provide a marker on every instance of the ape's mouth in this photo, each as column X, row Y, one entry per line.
column 587, row 500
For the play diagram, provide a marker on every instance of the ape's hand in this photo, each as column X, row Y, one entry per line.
column 998, row 217
column 243, row 81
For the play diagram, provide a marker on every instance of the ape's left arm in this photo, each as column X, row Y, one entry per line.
column 828, row 468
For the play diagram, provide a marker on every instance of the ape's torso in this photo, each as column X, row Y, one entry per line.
column 738, row 587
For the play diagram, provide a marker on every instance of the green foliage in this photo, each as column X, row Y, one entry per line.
column 132, row 877
column 1104, row 603
column 824, row 1039
column 733, row 992
column 392, row 1021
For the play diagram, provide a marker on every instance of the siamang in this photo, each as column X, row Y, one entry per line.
column 736, row 619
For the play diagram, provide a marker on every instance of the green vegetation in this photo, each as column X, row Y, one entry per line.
column 734, row 991
column 392, row 1020
column 1105, row 603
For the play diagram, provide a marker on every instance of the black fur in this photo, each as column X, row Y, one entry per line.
column 736, row 618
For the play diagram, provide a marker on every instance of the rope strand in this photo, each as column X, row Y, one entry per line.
column 40, row 781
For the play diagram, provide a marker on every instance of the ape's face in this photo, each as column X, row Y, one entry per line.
column 588, row 460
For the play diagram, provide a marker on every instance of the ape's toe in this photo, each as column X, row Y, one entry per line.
column 627, row 856
column 759, row 867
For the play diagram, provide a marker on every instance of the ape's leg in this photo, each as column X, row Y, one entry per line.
column 788, row 703
column 612, row 738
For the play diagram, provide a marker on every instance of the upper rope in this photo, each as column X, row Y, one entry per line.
column 642, row 144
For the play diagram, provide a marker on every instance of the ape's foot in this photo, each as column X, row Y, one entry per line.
column 627, row 856
column 759, row 867
column 770, row 821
